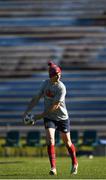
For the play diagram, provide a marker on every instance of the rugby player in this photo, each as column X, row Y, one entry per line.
column 55, row 116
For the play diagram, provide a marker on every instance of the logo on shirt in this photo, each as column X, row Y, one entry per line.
column 49, row 93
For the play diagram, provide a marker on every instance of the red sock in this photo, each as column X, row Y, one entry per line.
column 52, row 156
column 72, row 153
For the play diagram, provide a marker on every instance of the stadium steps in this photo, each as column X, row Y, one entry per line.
column 73, row 32
column 86, row 98
column 67, row 26
column 17, row 61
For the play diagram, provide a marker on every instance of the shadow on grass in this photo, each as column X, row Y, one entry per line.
column 11, row 162
column 8, row 175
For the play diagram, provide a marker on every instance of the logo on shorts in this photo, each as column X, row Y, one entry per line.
column 65, row 130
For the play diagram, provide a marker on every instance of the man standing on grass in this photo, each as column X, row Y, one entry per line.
column 55, row 116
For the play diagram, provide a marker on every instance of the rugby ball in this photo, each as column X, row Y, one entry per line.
column 29, row 119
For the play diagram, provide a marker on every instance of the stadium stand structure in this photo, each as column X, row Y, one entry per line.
column 86, row 99
column 72, row 33
column 33, row 31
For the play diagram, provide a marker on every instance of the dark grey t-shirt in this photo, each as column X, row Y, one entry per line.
column 54, row 93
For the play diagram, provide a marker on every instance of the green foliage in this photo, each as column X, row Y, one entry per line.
column 38, row 168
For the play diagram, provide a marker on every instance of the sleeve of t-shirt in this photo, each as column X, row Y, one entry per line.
column 60, row 94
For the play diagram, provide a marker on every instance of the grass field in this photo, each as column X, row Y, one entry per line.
column 38, row 168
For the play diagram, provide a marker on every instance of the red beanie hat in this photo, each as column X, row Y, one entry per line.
column 53, row 69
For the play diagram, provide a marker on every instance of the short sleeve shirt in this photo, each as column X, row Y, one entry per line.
column 54, row 93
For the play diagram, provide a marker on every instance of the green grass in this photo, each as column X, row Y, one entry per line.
column 38, row 168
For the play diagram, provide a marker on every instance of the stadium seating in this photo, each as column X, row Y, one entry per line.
column 90, row 140
column 85, row 99
column 74, row 134
column 32, row 146
column 70, row 32
column 33, row 138
column 32, row 32
column 12, row 144
column 12, row 139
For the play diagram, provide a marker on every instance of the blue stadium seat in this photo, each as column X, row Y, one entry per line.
column 33, row 138
column 13, row 139
column 89, row 141
column 74, row 134
column 90, row 138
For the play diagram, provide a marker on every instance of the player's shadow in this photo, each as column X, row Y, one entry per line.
column 7, row 175
column 11, row 162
